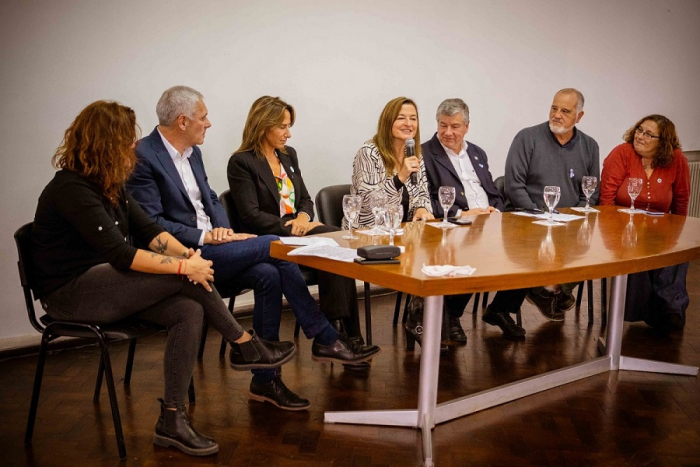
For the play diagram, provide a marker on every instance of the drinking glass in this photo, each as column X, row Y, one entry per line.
column 551, row 199
column 588, row 185
column 447, row 199
column 351, row 208
column 392, row 219
column 377, row 203
column 634, row 186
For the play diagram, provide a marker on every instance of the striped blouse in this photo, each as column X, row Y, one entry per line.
column 369, row 174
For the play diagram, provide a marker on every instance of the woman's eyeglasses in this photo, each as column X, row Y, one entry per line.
column 640, row 131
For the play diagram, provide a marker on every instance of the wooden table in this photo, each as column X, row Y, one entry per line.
column 510, row 252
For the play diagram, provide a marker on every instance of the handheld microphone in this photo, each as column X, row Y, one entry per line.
column 410, row 152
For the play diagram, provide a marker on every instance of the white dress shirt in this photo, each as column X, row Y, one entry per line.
column 473, row 191
column 182, row 164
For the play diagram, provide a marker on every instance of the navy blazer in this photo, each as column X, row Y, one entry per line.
column 254, row 191
column 441, row 172
column 157, row 186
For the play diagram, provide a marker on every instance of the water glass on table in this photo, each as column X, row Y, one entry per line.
column 588, row 186
column 446, row 195
column 351, row 209
column 393, row 215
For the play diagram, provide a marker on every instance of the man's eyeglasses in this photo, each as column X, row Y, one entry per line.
column 640, row 131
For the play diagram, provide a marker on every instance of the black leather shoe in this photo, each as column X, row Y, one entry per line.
column 503, row 321
column 343, row 351
column 414, row 325
column 456, row 332
column 174, row 429
column 566, row 302
column 258, row 353
column 546, row 302
column 276, row 393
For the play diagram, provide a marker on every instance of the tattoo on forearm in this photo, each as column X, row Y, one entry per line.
column 163, row 259
column 160, row 247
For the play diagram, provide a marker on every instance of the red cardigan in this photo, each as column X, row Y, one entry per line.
column 666, row 190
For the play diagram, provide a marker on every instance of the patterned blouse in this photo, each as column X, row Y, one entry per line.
column 369, row 174
column 285, row 187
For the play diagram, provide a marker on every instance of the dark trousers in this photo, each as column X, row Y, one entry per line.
column 105, row 295
column 337, row 294
column 456, row 304
column 653, row 295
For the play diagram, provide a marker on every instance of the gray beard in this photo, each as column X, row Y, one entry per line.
column 560, row 130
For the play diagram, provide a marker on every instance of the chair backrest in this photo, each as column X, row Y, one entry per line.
column 329, row 204
column 500, row 183
column 226, row 200
column 23, row 240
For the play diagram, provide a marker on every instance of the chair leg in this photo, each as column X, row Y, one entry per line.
column 477, row 297
column 190, row 392
column 486, row 300
column 397, row 308
column 368, row 315
column 604, row 300
column 98, row 382
column 519, row 319
column 579, row 296
column 589, row 285
column 405, row 309
column 203, row 340
column 129, row 362
column 113, row 399
column 37, row 388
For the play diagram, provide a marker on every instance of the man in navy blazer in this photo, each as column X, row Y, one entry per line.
column 170, row 183
column 450, row 160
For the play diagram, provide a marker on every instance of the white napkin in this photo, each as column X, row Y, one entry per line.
column 447, row 270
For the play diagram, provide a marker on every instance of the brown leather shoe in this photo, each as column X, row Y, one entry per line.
column 546, row 302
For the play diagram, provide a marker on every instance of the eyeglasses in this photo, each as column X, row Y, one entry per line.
column 640, row 131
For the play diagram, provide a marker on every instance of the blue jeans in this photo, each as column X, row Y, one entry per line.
column 249, row 263
column 104, row 294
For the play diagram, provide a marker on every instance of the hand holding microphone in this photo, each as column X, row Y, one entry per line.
column 411, row 161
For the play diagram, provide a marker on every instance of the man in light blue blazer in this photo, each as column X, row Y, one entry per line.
column 170, row 183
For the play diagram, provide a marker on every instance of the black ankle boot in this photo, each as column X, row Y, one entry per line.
column 414, row 325
column 258, row 353
column 174, row 429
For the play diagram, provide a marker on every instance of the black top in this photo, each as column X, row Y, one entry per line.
column 75, row 229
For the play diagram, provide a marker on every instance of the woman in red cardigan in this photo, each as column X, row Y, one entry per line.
column 653, row 153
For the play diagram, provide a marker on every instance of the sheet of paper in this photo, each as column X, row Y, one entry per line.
column 555, row 217
column 304, row 241
column 337, row 253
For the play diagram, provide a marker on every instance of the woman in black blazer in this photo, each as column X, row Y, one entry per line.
column 271, row 198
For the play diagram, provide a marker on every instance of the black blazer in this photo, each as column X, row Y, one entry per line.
column 441, row 172
column 254, row 191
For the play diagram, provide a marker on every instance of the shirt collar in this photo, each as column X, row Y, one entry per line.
column 174, row 155
column 451, row 153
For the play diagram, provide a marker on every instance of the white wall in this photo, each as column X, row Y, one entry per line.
column 338, row 63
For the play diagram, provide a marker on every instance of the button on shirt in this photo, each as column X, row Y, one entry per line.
column 473, row 191
column 182, row 164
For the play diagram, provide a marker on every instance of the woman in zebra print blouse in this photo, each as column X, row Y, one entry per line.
column 381, row 164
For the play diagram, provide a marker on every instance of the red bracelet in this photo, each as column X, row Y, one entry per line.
column 179, row 267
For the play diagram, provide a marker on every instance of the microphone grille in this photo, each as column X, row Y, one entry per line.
column 411, row 143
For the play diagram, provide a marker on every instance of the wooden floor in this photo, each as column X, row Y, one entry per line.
column 618, row 418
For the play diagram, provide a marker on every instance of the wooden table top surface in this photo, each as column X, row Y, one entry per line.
column 509, row 251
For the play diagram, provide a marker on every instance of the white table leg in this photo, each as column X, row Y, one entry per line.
column 429, row 367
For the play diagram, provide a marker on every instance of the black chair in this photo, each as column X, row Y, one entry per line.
column 329, row 205
column 128, row 329
column 231, row 291
column 310, row 275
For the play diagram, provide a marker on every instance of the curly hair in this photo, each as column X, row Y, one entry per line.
column 266, row 113
column 668, row 139
column 384, row 138
column 99, row 145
